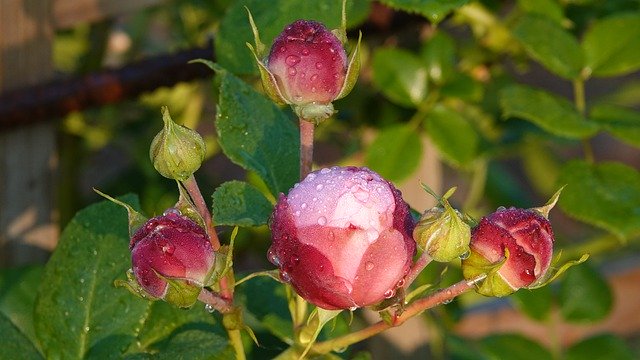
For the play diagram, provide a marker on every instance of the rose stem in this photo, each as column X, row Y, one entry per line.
column 215, row 301
column 417, row 307
column 306, row 147
column 415, row 270
column 194, row 191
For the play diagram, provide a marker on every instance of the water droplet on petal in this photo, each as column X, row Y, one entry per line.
column 297, row 213
column 501, row 208
column 292, row 71
column 319, row 187
column 171, row 211
column 273, row 258
column 447, row 301
column 353, row 308
column 314, row 77
column 209, row 308
column 314, row 89
column 292, row 60
column 372, row 235
column 325, row 171
column 389, row 293
column 284, row 276
column 303, row 206
column 369, row 265
column 305, row 52
column 322, row 221
column 400, row 283
column 319, row 65
column 465, row 255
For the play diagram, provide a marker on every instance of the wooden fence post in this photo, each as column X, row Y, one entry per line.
column 28, row 228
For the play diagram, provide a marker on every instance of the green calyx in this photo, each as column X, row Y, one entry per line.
column 476, row 266
column 442, row 231
column 177, row 151
column 136, row 219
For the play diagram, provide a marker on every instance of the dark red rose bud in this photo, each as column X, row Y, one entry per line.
column 513, row 247
column 172, row 258
column 342, row 237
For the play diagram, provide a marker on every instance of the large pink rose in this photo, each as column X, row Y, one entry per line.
column 342, row 237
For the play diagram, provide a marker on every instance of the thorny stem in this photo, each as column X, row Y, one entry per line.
column 306, row 147
column 417, row 307
column 194, row 191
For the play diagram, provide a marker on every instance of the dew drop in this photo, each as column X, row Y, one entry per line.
column 372, row 235
column 82, row 281
column 81, row 298
column 311, row 176
column 292, row 60
column 305, row 52
column 325, row 171
column 389, row 293
column 447, row 301
column 283, row 49
column 319, row 187
column 319, row 65
column 322, row 221
column 314, row 77
column 303, row 206
column 353, row 308
column 284, row 276
column 171, row 211
column 400, row 283
column 292, row 71
column 209, row 308
column 314, row 89
column 465, row 255
column 273, row 258
column 369, row 265
column 332, row 50
column 297, row 213
column 314, row 199
column 501, row 208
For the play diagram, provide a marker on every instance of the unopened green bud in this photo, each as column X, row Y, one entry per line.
column 177, row 151
column 442, row 233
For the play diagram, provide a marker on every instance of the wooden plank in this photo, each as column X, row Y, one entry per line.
column 69, row 13
column 27, row 155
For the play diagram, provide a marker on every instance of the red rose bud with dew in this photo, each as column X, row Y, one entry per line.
column 513, row 247
column 307, row 67
column 342, row 238
column 172, row 258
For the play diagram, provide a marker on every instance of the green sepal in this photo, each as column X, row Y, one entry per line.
column 187, row 207
column 554, row 272
column 136, row 220
column 223, row 263
column 317, row 320
column 387, row 317
column 341, row 32
column 133, row 286
column 546, row 208
column 261, row 49
column 269, row 82
column 353, row 70
column 274, row 274
column 476, row 266
column 180, row 292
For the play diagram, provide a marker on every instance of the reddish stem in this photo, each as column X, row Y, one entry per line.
column 415, row 270
column 306, row 147
column 216, row 301
column 196, row 196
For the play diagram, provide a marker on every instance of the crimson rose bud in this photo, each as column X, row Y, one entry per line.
column 513, row 247
column 342, row 237
column 172, row 258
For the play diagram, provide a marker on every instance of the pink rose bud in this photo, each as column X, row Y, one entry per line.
column 309, row 63
column 172, row 258
column 342, row 237
column 307, row 67
column 513, row 247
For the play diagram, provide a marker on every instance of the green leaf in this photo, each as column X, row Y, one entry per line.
column 196, row 344
column 621, row 122
column 434, row 10
column 395, row 153
column 14, row 344
column 271, row 17
column 239, row 203
column 275, row 318
column 534, row 303
column 257, row 135
column 439, row 55
column 454, row 136
column 18, row 288
column 514, row 347
column 551, row 9
column 614, row 196
column 552, row 113
column 600, row 347
column 611, row 45
column 400, row 75
column 585, row 295
column 549, row 44
column 77, row 305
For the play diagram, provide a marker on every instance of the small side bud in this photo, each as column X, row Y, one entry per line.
column 177, row 151
column 442, row 233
